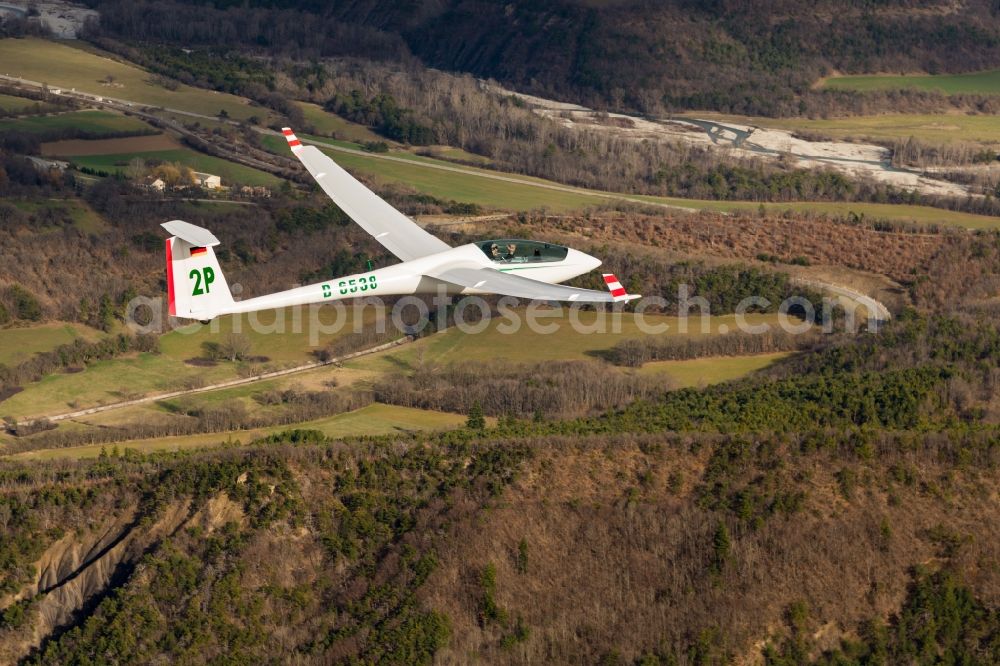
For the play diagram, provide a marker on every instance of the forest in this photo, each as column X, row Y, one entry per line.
column 757, row 58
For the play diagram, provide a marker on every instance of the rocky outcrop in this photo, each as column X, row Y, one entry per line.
column 79, row 568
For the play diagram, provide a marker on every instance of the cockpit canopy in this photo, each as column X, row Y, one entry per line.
column 520, row 251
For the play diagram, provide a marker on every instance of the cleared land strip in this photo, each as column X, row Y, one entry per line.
column 216, row 387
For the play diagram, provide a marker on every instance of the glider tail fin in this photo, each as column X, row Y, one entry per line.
column 196, row 286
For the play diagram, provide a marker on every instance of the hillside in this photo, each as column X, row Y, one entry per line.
column 745, row 57
column 673, row 531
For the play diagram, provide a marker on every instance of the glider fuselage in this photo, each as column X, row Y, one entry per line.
column 411, row 277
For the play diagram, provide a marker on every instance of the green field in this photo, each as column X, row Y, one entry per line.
column 935, row 128
column 987, row 82
column 517, row 192
column 874, row 211
column 20, row 344
column 229, row 171
column 469, row 185
column 332, row 125
column 12, row 103
column 141, row 374
column 85, row 68
column 375, row 419
column 281, row 335
column 527, row 346
column 95, row 122
column 713, row 370
column 458, row 155
column 136, row 375
column 110, row 381
column 84, row 217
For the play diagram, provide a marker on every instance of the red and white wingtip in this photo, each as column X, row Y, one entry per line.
column 618, row 293
column 293, row 141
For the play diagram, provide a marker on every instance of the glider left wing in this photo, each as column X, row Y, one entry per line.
column 398, row 233
column 497, row 282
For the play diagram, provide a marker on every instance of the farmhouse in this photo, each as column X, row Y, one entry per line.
column 258, row 191
column 208, row 181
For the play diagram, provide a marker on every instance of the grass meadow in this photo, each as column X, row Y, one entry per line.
column 935, row 128
column 95, row 122
column 987, row 82
column 87, row 69
column 20, row 344
column 229, row 171
column 373, row 420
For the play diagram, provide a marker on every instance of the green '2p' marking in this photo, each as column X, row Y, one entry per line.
column 205, row 276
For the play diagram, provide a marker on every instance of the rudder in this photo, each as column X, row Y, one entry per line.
column 196, row 286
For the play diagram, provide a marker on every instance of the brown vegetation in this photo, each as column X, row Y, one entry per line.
column 555, row 389
column 620, row 552
column 896, row 251
column 678, row 548
column 637, row 352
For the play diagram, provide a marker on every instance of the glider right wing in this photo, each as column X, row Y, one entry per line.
column 398, row 233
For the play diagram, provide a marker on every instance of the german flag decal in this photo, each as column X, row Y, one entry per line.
column 195, row 251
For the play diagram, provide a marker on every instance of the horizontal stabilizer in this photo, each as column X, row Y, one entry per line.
column 197, row 236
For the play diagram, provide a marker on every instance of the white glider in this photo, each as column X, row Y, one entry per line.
column 197, row 289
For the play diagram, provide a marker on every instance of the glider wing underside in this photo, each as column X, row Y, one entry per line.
column 497, row 282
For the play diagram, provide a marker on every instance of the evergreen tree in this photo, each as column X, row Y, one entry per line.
column 476, row 420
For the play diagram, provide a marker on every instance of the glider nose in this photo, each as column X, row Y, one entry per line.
column 583, row 260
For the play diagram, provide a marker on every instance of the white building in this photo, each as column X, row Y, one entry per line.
column 208, row 181
column 158, row 185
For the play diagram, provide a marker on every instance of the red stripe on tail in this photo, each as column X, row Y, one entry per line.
column 294, row 143
column 171, row 303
